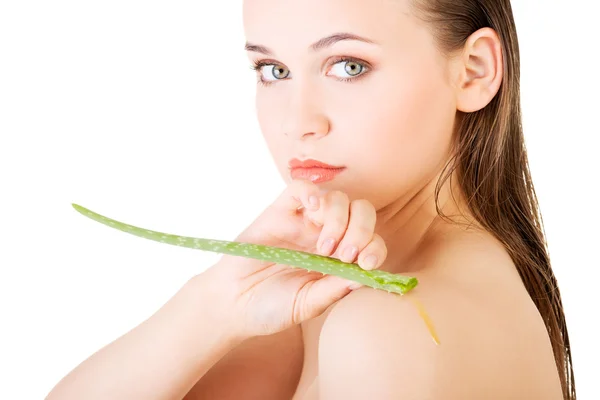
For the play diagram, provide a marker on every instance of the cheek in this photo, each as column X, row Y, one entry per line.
column 269, row 110
column 409, row 121
column 396, row 124
column 264, row 112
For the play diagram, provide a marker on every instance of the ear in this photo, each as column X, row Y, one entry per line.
column 479, row 70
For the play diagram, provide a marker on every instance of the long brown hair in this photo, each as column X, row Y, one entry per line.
column 492, row 165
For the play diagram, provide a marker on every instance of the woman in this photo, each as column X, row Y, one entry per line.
column 415, row 106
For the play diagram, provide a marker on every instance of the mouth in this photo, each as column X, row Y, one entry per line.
column 316, row 174
column 310, row 163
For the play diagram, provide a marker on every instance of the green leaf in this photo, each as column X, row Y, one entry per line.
column 382, row 280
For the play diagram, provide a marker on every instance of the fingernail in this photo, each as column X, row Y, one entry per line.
column 314, row 202
column 355, row 285
column 350, row 253
column 370, row 261
column 327, row 246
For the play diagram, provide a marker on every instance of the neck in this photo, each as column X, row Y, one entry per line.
column 410, row 222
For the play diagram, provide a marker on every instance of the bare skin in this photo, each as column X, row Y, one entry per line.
column 489, row 332
column 390, row 125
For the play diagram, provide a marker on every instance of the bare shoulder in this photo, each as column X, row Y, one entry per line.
column 492, row 341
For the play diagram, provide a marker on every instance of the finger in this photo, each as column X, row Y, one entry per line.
column 377, row 249
column 359, row 233
column 316, row 217
column 297, row 195
column 320, row 294
column 336, row 215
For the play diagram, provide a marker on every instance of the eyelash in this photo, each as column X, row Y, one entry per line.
column 257, row 65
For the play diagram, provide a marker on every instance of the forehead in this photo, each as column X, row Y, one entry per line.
column 289, row 22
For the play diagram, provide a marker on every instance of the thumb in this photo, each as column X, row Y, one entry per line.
column 326, row 291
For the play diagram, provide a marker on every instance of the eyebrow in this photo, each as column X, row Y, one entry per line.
column 322, row 43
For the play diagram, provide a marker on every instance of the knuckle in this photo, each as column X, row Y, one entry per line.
column 364, row 208
column 338, row 222
column 336, row 215
column 378, row 245
column 363, row 204
column 363, row 233
column 342, row 196
column 357, row 235
column 363, row 217
column 334, row 230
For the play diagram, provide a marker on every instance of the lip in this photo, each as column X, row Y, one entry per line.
column 316, row 175
column 313, row 170
column 310, row 163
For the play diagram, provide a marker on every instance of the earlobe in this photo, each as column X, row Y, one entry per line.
column 480, row 71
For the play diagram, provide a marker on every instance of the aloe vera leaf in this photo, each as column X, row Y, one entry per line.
column 392, row 283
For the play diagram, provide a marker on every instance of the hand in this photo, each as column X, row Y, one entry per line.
column 265, row 297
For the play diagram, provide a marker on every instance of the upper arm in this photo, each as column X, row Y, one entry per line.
column 375, row 345
column 262, row 367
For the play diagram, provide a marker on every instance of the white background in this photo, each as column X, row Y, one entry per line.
column 143, row 111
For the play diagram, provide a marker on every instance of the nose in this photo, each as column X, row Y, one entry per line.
column 304, row 115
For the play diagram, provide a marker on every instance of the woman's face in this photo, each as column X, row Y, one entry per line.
column 390, row 123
